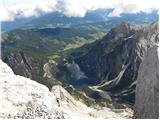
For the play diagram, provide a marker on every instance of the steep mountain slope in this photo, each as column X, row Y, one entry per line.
column 112, row 63
column 27, row 50
column 147, row 89
column 25, row 99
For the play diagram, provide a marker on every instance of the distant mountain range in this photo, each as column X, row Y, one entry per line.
column 56, row 19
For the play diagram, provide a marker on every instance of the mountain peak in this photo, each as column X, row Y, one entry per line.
column 121, row 30
column 123, row 26
column 117, row 58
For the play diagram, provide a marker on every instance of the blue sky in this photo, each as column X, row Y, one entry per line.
column 11, row 9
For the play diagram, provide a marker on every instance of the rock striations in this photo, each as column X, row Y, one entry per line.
column 112, row 63
column 147, row 89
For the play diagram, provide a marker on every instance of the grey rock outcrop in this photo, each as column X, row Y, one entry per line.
column 147, row 89
column 112, row 63
column 50, row 69
column 28, row 66
column 22, row 98
column 19, row 63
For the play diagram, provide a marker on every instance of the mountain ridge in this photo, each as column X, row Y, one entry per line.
column 121, row 49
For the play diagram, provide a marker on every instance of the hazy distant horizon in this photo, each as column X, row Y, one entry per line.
column 11, row 9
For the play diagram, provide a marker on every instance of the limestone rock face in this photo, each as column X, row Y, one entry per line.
column 147, row 89
column 23, row 98
column 50, row 69
column 27, row 99
column 113, row 62
column 19, row 63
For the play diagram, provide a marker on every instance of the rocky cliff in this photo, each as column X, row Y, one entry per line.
column 147, row 89
column 27, row 99
column 29, row 66
column 112, row 63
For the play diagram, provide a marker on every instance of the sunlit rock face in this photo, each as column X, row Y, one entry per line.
column 50, row 69
column 147, row 89
column 23, row 98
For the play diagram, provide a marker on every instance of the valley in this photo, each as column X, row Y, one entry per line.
column 96, row 59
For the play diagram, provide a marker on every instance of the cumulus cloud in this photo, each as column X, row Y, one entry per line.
column 134, row 7
column 5, row 14
column 25, row 9
column 75, row 8
column 80, row 7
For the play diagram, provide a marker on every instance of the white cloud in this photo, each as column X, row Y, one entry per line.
column 27, row 8
column 5, row 14
column 70, row 8
column 79, row 7
column 130, row 6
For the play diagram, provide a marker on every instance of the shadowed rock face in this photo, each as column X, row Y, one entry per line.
column 147, row 89
column 18, row 61
column 113, row 62
column 27, row 66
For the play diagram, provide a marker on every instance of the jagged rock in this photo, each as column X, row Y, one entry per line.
column 19, row 63
column 26, row 99
column 50, row 69
column 147, row 89
column 50, row 73
column 112, row 63
column 27, row 65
